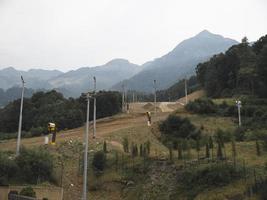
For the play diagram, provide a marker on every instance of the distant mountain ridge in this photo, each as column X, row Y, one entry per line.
column 167, row 70
column 71, row 83
column 80, row 80
column 178, row 63
column 35, row 78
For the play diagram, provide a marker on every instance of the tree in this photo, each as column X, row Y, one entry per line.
column 234, row 150
column 8, row 169
column 99, row 161
column 125, row 144
column 45, row 107
column 177, row 127
column 207, row 151
column 35, row 165
column 170, row 153
column 141, row 150
column 197, row 147
column 105, row 147
column 180, row 150
column 241, row 70
column 258, row 148
column 147, row 146
column 244, row 40
column 219, row 151
column 28, row 191
column 211, row 146
column 262, row 71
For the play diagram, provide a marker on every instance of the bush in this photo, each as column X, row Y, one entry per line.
column 35, row 164
column 99, row 161
column 223, row 136
column 8, row 168
column 240, row 134
column 177, row 127
column 28, row 191
column 37, row 131
column 125, row 144
column 201, row 106
column 214, row 175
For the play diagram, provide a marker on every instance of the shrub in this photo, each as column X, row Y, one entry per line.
column 35, row 164
column 125, row 144
column 197, row 179
column 8, row 168
column 223, row 136
column 240, row 134
column 28, row 191
column 201, row 106
column 177, row 127
column 37, row 131
column 105, row 147
column 99, row 160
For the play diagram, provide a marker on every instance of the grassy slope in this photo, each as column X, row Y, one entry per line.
column 110, row 185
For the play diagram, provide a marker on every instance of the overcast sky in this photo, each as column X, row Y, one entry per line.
column 68, row 34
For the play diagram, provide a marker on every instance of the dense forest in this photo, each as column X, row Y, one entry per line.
column 44, row 107
column 12, row 94
column 177, row 90
column 241, row 70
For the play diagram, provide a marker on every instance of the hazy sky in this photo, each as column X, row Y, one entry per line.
column 68, row 34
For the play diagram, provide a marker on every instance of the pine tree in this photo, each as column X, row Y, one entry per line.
column 184, row 147
column 105, row 147
column 234, row 151
column 148, row 144
column 219, row 151
column 141, row 150
column 207, row 151
column 125, row 144
column 116, row 160
column 170, row 153
column 180, row 151
column 197, row 148
column 258, row 148
column 211, row 146
column 136, row 150
column 188, row 149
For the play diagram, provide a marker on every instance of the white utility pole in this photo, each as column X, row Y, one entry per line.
column 20, row 117
column 185, row 90
column 86, row 137
column 239, row 105
column 94, row 130
column 155, row 97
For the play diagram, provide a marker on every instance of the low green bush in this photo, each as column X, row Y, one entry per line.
column 201, row 106
column 99, row 161
column 34, row 164
column 177, row 127
column 8, row 168
column 28, row 192
column 195, row 180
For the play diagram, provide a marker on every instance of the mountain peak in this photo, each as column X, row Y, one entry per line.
column 204, row 33
column 118, row 61
column 10, row 69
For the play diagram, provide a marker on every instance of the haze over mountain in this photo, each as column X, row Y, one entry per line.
column 35, row 78
column 168, row 69
column 178, row 63
column 81, row 80
column 71, row 83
